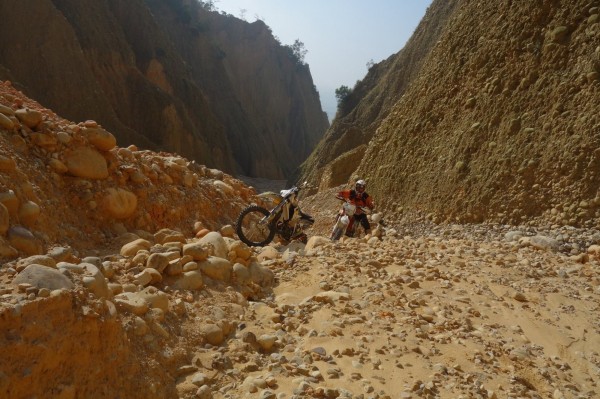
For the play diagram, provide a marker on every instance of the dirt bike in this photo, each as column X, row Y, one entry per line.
column 342, row 220
column 257, row 226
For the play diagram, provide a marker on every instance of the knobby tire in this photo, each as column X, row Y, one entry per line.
column 250, row 231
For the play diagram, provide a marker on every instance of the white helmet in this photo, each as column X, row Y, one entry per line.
column 361, row 184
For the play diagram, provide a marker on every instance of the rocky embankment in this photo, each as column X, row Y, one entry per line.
column 70, row 184
column 141, row 312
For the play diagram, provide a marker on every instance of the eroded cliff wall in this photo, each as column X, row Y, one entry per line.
column 167, row 75
column 340, row 151
column 501, row 122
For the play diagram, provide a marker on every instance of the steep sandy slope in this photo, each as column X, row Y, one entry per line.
column 502, row 122
column 360, row 114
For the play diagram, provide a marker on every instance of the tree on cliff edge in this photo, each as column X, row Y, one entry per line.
column 298, row 51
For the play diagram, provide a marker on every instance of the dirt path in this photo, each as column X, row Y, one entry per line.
column 428, row 317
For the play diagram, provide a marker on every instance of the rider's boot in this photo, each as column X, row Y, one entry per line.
column 350, row 228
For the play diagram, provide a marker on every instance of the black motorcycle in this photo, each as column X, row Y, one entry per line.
column 257, row 226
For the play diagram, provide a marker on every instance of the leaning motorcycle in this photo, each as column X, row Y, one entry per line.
column 257, row 226
column 343, row 220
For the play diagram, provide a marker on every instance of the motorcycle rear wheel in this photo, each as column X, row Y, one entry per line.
column 252, row 227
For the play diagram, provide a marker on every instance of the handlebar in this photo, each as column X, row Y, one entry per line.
column 365, row 209
column 303, row 185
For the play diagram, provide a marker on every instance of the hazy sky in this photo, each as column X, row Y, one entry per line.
column 341, row 36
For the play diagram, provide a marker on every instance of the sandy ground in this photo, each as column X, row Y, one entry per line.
column 455, row 313
column 425, row 311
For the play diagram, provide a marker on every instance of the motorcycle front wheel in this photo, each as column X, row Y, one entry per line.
column 253, row 228
column 337, row 234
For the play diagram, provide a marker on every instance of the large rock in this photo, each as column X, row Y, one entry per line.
column 217, row 242
column 268, row 253
column 7, row 164
column 196, row 250
column 224, row 187
column 6, row 250
column 155, row 298
column 58, row 166
column 29, row 118
column 315, row 242
column 94, row 280
column 266, row 341
column 168, row 235
column 216, row 268
column 241, row 273
column 148, row 276
column 42, row 260
column 87, row 163
column 119, row 203
column 261, row 275
column 132, row 248
column 189, row 281
column 541, row 242
column 60, row 254
column 131, row 302
column 241, row 250
column 43, row 277
column 29, row 212
column 5, row 110
column 158, row 261
column 24, row 241
column 212, row 333
column 6, row 122
column 10, row 201
column 100, row 138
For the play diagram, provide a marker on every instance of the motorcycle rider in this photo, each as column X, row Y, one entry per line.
column 359, row 197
